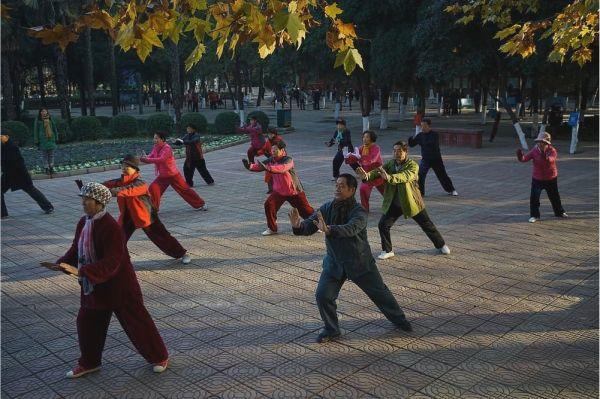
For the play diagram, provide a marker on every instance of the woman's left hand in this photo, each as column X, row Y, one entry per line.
column 65, row 267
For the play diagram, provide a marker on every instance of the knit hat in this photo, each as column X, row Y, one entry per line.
column 96, row 191
column 132, row 161
column 544, row 137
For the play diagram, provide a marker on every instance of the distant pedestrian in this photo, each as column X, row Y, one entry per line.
column 98, row 257
column 401, row 197
column 545, row 176
column 45, row 137
column 431, row 157
column 16, row 177
column 344, row 224
column 167, row 175
column 343, row 139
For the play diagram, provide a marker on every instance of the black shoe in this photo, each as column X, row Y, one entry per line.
column 405, row 326
column 49, row 211
column 325, row 336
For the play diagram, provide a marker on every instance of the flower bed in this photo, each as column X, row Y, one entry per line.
column 91, row 154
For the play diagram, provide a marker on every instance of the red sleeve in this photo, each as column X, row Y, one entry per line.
column 135, row 189
column 551, row 154
column 164, row 155
column 255, row 167
column 71, row 256
column 113, row 251
column 282, row 167
column 527, row 157
column 111, row 183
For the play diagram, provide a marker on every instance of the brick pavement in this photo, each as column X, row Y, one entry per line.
column 512, row 312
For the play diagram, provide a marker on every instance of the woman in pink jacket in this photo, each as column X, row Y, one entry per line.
column 167, row 175
column 545, row 176
column 286, row 186
column 368, row 157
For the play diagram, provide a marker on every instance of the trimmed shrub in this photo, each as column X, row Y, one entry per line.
column 158, row 122
column 18, row 132
column 86, row 128
column 104, row 120
column 123, row 126
column 226, row 122
column 141, row 125
column 195, row 119
column 261, row 117
column 65, row 134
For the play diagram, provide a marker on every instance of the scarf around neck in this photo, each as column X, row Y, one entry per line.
column 86, row 253
column 48, row 128
column 341, row 209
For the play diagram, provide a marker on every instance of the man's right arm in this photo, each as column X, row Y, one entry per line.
column 308, row 226
column 414, row 140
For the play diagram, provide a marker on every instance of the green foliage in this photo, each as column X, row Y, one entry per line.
column 226, row 122
column 17, row 131
column 123, row 126
column 261, row 117
column 104, row 120
column 65, row 134
column 195, row 119
column 159, row 122
column 86, row 128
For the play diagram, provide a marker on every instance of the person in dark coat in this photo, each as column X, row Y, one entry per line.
column 16, row 177
column 344, row 222
column 343, row 139
column 100, row 260
column 194, row 156
column 431, row 157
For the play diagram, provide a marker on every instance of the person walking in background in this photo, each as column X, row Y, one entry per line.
column 167, row 175
column 344, row 224
column 45, row 136
column 257, row 139
column 194, row 156
column 98, row 257
column 137, row 212
column 16, row 177
column 343, row 139
column 402, row 197
column 157, row 98
column 545, row 176
column 368, row 157
column 286, row 186
column 431, row 157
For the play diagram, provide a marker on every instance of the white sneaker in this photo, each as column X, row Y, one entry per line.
column 386, row 255
column 532, row 220
column 563, row 215
column 445, row 250
column 453, row 193
column 268, row 232
column 186, row 259
column 202, row 208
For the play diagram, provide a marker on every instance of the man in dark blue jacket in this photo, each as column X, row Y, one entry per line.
column 344, row 222
column 431, row 157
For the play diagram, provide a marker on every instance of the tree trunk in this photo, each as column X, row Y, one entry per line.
column 384, row 102
column 261, row 85
column 82, row 99
column 41, row 82
column 89, row 70
column 140, row 94
column 535, row 109
column 114, row 85
column 60, row 67
column 239, row 94
column 7, row 91
column 515, row 121
column 484, row 103
column 176, row 90
column 365, row 97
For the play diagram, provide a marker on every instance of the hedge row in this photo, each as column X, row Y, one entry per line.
column 121, row 126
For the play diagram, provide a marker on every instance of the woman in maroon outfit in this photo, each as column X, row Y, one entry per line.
column 108, row 285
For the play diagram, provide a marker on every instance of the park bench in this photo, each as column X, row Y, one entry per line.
column 460, row 137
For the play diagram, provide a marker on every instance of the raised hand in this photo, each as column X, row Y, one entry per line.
column 294, row 216
column 383, row 173
column 321, row 224
column 361, row 173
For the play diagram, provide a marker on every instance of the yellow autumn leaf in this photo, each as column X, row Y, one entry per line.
column 346, row 30
column 194, row 56
column 332, row 10
column 125, row 36
column 151, row 37
column 143, row 49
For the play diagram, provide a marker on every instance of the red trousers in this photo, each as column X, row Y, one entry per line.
column 92, row 326
column 159, row 235
column 365, row 193
column 161, row 183
column 253, row 152
column 274, row 202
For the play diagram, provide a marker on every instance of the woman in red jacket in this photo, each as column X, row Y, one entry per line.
column 137, row 211
column 167, row 175
column 108, row 285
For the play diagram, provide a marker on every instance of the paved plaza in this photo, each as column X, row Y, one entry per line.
column 511, row 313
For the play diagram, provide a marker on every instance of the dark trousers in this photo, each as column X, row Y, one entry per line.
column 440, row 171
column 371, row 283
column 190, row 167
column 159, row 235
column 92, row 326
column 422, row 218
column 34, row 193
column 551, row 187
column 338, row 160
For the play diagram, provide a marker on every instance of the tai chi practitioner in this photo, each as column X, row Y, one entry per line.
column 401, row 196
column 348, row 256
column 194, row 156
column 99, row 258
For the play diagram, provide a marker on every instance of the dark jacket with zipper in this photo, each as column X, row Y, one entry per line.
column 430, row 145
